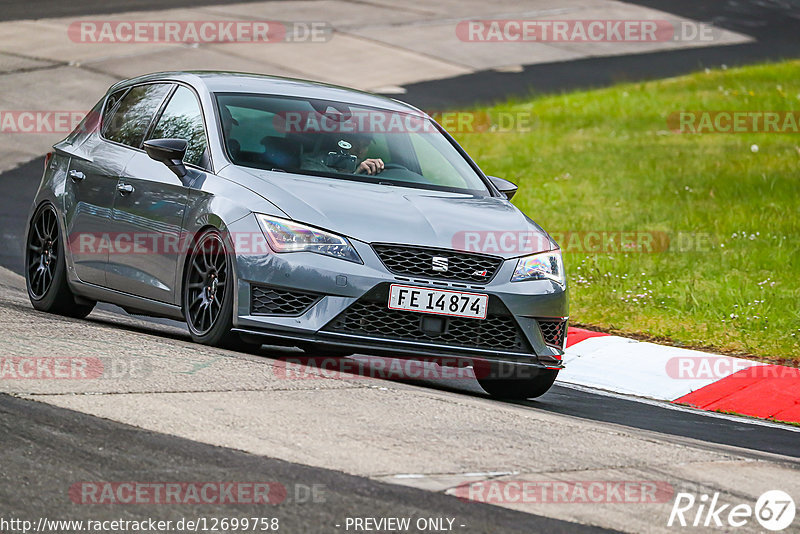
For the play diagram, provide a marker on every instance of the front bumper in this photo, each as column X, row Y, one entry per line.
column 336, row 285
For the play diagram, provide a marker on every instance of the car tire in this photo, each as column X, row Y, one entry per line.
column 208, row 294
column 45, row 268
column 519, row 388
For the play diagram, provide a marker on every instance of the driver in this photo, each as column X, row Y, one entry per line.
column 350, row 158
column 368, row 165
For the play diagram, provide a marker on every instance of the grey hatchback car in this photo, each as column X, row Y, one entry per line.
column 266, row 210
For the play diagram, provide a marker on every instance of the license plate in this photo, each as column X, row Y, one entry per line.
column 438, row 301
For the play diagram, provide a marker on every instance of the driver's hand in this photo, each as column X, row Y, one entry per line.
column 370, row 166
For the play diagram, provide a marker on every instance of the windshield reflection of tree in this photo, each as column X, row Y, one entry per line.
column 129, row 122
column 182, row 127
column 134, row 121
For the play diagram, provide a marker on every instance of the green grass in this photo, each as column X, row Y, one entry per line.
column 606, row 160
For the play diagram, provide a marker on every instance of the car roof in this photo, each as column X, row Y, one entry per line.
column 241, row 82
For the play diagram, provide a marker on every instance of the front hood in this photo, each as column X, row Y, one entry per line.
column 376, row 213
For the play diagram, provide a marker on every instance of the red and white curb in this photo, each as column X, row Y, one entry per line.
column 682, row 376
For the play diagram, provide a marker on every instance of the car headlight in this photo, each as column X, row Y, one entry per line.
column 544, row 266
column 288, row 236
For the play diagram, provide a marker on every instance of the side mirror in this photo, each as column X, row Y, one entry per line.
column 170, row 152
column 504, row 186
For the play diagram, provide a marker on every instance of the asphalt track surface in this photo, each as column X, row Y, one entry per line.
column 45, row 447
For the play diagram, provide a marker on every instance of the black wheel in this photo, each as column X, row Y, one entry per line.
column 45, row 268
column 208, row 294
column 520, row 388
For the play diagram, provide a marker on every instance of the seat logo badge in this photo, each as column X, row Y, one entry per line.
column 439, row 264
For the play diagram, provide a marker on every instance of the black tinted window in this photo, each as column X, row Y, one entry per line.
column 128, row 123
column 112, row 102
column 182, row 119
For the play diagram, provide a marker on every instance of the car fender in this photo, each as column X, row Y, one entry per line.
column 218, row 203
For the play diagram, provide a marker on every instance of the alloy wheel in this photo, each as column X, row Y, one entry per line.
column 206, row 284
column 42, row 253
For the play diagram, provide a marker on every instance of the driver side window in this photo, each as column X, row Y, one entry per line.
column 182, row 119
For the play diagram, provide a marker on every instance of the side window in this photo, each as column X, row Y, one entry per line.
column 182, row 119
column 129, row 121
column 112, row 102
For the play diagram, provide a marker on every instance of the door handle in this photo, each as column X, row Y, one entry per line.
column 125, row 189
column 77, row 176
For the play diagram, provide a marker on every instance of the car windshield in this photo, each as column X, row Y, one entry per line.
column 344, row 141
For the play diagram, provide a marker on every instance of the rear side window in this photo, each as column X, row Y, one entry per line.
column 129, row 121
column 112, row 102
column 182, row 119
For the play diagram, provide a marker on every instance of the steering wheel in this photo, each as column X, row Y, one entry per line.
column 388, row 166
column 396, row 166
column 398, row 171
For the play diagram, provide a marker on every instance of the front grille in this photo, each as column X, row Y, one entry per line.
column 418, row 261
column 273, row 301
column 553, row 331
column 370, row 316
